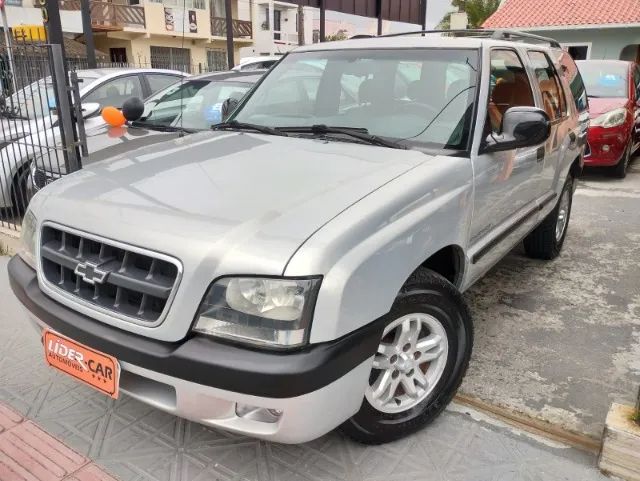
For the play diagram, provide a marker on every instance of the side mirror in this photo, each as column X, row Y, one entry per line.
column 90, row 109
column 228, row 106
column 521, row 127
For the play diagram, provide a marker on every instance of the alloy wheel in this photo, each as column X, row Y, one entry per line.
column 408, row 364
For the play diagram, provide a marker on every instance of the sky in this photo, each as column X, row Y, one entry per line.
column 355, row 25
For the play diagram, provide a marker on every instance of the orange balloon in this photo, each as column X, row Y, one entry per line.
column 113, row 116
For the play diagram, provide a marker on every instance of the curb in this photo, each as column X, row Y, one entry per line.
column 532, row 425
column 27, row 452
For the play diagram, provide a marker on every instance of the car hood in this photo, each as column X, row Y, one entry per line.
column 235, row 202
column 105, row 142
column 601, row 105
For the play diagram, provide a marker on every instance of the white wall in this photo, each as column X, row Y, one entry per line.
column 71, row 20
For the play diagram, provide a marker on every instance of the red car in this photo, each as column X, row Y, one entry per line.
column 613, row 88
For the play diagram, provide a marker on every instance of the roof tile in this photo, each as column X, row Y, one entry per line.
column 543, row 13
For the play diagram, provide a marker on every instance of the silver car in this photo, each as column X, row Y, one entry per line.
column 301, row 267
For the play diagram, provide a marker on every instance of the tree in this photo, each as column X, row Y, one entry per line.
column 477, row 11
column 339, row 35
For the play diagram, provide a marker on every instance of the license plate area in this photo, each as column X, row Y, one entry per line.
column 94, row 368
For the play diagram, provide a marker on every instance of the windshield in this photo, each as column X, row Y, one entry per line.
column 605, row 79
column 420, row 97
column 36, row 99
column 200, row 102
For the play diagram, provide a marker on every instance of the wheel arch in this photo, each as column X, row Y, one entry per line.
column 575, row 170
column 448, row 262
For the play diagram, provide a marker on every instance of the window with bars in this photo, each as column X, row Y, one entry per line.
column 217, row 59
column 171, row 58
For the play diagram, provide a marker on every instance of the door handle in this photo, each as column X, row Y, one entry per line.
column 540, row 154
column 572, row 140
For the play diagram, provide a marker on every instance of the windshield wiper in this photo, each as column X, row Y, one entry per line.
column 233, row 125
column 162, row 127
column 354, row 132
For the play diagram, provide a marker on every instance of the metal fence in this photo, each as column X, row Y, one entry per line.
column 36, row 122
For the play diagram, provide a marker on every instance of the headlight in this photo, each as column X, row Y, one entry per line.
column 259, row 310
column 28, row 239
column 614, row 118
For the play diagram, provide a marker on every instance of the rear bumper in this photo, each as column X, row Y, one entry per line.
column 311, row 391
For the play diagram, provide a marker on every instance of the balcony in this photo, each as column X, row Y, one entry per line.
column 240, row 28
column 285, row 38
column 108, row 16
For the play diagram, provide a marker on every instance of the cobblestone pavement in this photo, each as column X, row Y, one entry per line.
column 135, row 442
column 560, row 340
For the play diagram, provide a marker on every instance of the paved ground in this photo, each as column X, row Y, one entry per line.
column 560, row 340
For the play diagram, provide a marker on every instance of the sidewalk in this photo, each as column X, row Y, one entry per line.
column 135, row 442
column 28, row 453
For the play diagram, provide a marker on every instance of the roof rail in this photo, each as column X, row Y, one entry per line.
column 501, row 34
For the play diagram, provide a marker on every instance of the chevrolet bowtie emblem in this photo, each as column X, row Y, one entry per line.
column 91, row 273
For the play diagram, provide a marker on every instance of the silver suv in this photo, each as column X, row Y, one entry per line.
column 301, row 267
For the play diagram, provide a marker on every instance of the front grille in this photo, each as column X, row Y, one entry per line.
column 123, row 281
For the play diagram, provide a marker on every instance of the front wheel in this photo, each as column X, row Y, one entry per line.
column 420, row 362
column 620, row 169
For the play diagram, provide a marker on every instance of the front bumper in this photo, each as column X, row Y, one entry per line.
column 312, row 390
column 606, row 146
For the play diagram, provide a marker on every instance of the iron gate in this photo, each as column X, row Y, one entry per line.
column 37, row 123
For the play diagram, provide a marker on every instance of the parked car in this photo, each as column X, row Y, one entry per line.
column 30, row 121
column 301, row 267
column 185, row 107
column 256, row 63
column 613, row 87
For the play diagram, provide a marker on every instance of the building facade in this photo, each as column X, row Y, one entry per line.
column 276, row 28
column 186, row 35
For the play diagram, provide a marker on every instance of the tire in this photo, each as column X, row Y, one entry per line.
column 620, row 169
column 429, row 297
column 19, row 192
column 545, row 242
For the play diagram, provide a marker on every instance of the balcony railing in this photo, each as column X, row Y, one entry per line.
column 240, row 28
column 285, row 38
column 110, row 16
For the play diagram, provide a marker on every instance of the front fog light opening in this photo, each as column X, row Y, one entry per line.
column 256, row 413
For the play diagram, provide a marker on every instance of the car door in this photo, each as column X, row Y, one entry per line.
column 552, row 99
column 506, row 183
column 113, row 92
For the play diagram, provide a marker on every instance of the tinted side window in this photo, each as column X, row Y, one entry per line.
column 159, row 82
column 636, row 81
column 114, row 92
column 574, row 79
column 553, row 99
column 510, row 86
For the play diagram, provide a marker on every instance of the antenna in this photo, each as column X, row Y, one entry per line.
column 185, row 24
